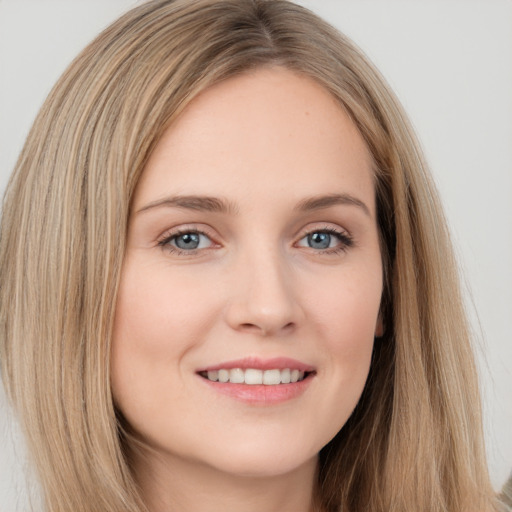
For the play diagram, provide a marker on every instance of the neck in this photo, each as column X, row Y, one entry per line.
column 188, row 487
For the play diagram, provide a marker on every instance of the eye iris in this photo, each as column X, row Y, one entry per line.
column 319, row 240
column 187, row 241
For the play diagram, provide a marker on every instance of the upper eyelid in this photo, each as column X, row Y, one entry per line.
column 341, row 233
column 214, row 236
column 323, row 226
column 186, row 228
column 164, row 242
column 344, row 235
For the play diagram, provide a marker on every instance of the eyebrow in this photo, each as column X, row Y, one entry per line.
column 219, row 205
column 326, row 201
column 199, row 203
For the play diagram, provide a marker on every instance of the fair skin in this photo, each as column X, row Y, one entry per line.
column 252, row 251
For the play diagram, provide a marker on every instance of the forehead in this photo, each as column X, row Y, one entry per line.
column 263, row 131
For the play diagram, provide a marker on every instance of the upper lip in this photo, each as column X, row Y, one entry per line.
column 275, row 363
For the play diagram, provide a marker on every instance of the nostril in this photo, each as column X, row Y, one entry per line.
column 254, row 328
column 250, row 326
column 266, row 330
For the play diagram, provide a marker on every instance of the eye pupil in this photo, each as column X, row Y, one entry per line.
column 319, row 240
column 187, row 241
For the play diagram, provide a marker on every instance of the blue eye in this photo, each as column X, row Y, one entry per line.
column 319, row 240
column 326, row 240
column 186, row 241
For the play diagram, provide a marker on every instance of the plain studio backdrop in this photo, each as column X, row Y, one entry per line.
column 449, row 61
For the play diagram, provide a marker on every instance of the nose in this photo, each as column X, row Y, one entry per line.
column 263, row 298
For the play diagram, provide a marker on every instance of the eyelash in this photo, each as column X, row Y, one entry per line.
column 346, row 241
column 165, row 243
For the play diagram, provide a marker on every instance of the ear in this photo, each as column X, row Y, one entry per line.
column 379, row 327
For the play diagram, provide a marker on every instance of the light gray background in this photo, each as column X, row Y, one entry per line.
column 450, row 62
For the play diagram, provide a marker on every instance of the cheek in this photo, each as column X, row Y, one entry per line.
column 157, row 304
column 347, row 317
column 158, row 321
column 347, row 306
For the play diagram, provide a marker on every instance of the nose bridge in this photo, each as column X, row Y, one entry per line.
column 264, row 298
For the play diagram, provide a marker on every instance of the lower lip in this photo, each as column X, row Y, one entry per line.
column 260, row 394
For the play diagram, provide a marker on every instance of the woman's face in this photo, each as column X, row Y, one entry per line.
column 252, row 261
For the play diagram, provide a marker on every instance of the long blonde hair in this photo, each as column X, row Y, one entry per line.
column 414, row 441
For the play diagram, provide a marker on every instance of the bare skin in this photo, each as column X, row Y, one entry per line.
column 290, row 493
column 252, row 250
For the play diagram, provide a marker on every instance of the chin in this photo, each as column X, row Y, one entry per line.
column 259, row 459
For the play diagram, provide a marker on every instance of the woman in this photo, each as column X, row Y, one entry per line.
column 222, row 191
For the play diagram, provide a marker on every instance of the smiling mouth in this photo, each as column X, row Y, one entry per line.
column 254, row 376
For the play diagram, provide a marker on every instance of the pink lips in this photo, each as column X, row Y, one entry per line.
column 278, row 363
column 260, row 394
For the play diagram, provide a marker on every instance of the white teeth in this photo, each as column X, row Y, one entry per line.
column 253, row 376
column 285, row 376
column 236, row 376
column 223, row 375
column 271, row 377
